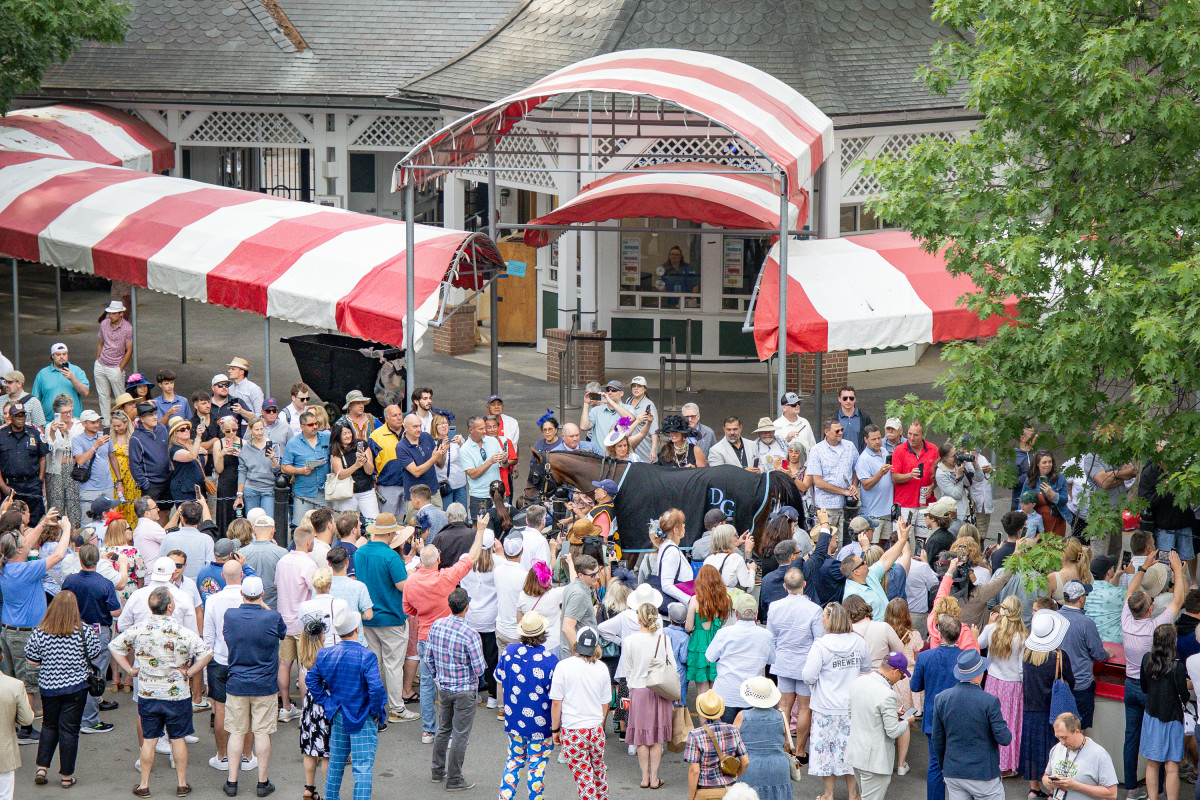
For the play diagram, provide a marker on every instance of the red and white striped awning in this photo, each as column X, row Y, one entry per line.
column 306, row 263
column 89, row 133
column 677, row 191
column 872, row 291
column 766, row 112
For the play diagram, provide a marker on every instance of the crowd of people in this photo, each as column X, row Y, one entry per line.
column 408, row 581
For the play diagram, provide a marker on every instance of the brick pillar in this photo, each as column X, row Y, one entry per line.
column 802, row 372
column 589, row 349
column 456, row 337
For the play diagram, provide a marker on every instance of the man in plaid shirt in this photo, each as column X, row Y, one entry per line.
column 454, row 657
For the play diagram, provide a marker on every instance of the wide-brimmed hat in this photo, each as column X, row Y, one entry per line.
column 532, row 624
column 970, row 665
column 581, row 529
column 645, row 593
column 760, row 692
column 709, row 705
column 1046, row 631
column 354, row 396
column 124, row 398
column 174, row 424
column 385, row 523
column 674, row 423
column 617, row 433
column 765, row 425
column 115, row 307
column 1155, row 580
column 135, row 380
column 240, row 363
column 942, row 507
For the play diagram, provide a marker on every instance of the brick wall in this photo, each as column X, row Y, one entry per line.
column 590, row 353
column 802, row 372
column 456, row 337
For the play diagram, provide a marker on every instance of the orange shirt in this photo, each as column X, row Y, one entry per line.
column 426, row 594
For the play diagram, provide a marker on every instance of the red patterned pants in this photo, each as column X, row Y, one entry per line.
column 584, row 748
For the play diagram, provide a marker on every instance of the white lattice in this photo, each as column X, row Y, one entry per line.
column 516, row 164
column 727, row 150
column 897, row 145
column 247, row 127
column 851, row 149
column 607, row 148
column 148, row 114
column 397, row 132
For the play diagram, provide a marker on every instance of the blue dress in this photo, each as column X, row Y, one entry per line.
column 768, row 773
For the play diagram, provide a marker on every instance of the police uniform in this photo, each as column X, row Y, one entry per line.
column 21, row 458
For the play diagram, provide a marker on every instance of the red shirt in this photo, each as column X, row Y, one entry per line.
column 904, row 461
column 427, row 592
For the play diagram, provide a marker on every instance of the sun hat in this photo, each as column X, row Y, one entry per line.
column 709, row 705
column 674, row 423
column 135, row 380
column 970, row 665
column 618, row 432
column 897, row 661
column 942, row 507
column 345, row 618
column 174, row 424
column 354, row 396
column 1073, row 590
column 760, row 692
column 645, row 593
column 1046, row 631
column 115, row 307
column 164, row 568
column 123, row 398
column 240, row 363
column 607, row 485
column 86, row 416
column 587, row 641
column 1155, row 580
column 252, row 586
column 581, row 529
column 765, row 425
column 384, row 524
column 532, row 624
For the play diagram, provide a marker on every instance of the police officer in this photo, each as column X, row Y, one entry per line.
column 23, row 462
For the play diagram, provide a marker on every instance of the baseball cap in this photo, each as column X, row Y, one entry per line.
column 637, row 379
column 252, row 586
column 15, row 375
column 607, row 485
column 489, row 539
column 264, row 521
column 89, row 416
column 587, row 641
column 893, row 423
column 270, row 403
column 493, row 397
column 146, row 408
column 224, row 548
column 100, row 506
column 220, row 377
column 16, row 408
column 1101, row 565
column 745, row 604
column 614, row 384
column 1073, row 591
column 1029, row 496
column 253, row 514
column 164, row 568
column 790, row 399
column 677, row 613
column 787, row 511
column 514, row 546
column 860, row 524
column 713, row 517
column 897, row 661
column 345, row 618
column 58, row 347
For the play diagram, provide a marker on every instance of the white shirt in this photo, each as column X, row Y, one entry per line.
column 803, row 431
column 248, row 394
column 536, row 548
column 188, row 586
column 147, row 537
column 481, row 588
column 733, row 569
column 673, row 568
column 921, row 578
column 617, row 629
column 509, row 580
column 214, row 620
column 137, row 607
column 549, row 605
column 982, row 494
column 511, row 430
column 740, row 650
column 291, row 415
column 584, row 691
column 319, row 551
column 636, row 652
column 1010, row 668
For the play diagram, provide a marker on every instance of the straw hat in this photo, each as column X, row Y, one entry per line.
column 532, row 624
column 710, row 705
column 240, row 363
column 174, row 424
column 1155, row 580
column 384, row 524
column 760, row 692
column 580, row 529
column 122, row 399
column 1046, row 631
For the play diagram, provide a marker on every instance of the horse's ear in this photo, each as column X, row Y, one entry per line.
column 537, row 455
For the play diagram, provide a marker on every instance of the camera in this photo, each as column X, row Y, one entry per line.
column 964, row 458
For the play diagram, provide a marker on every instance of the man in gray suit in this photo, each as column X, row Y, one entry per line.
column 875, row 724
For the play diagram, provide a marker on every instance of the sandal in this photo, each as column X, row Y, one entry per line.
column 412, row 698
column 40, row 777
column 183, row 791
column 67, row 783
column 661, row 783
column 141, row 791
column 310, row 793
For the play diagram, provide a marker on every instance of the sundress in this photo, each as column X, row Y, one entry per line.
column 700, row 668
column 128, row 485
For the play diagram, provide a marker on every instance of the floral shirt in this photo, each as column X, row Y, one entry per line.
column 163, row 649
column 526, row 673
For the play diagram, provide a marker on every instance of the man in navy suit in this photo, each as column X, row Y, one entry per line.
column 967, row 722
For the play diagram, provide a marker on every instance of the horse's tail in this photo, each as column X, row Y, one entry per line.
column 782, row 491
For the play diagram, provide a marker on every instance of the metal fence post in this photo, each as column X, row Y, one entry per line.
column 182, row 331
column 674, row 378
column 687, row 351
column 58, row 299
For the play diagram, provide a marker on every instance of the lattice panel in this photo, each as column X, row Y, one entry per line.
column 397, row 132
column 897, row 145
column 247, row 127
column 851, row 149
column 607, row 148
column 148, row 114
column 514, row 154
column 728, row 150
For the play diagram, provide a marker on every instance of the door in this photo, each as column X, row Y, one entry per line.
column 517, row 320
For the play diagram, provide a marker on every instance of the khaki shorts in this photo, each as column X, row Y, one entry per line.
column 288, row 648
column 251, row 714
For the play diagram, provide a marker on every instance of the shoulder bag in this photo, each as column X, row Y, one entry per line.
column 661, row 676
column 82, row 473
column 729, row 765
column 1062, row 699
column 95, row 678
column 338, row 488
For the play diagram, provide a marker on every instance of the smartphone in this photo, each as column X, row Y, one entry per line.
column 921, row 471
column 594, row 396
column 361, row 446
column 911, row 514
column 1126, row 557
column 887, row 459
column 908, row 714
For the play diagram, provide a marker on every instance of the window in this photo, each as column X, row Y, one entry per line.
column 362, row 172
column 663, row 262
column 859, row 219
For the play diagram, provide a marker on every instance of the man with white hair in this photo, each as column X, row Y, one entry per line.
column 457, row 536
column 534, row 545
column 419, row 457
column 425, row 597
column 218, row 669
column 740, row 651
column 704, row 436
column 262, row 554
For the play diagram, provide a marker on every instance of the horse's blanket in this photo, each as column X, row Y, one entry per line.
column 647, row 490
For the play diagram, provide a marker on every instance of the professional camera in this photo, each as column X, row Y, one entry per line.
column 964, row 458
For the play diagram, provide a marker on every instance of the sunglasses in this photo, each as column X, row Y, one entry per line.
column 848, row 397
column 309, row 425
column 590, row 574
column 224, row 385
column 303, row 399
column 180, row 564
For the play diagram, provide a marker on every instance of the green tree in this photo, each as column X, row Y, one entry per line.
column 35, row 34
column 1078, row 192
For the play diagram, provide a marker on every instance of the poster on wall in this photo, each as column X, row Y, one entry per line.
column 733, row 263
column 631, row 260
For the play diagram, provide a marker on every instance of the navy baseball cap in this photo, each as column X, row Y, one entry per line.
column 607, row 485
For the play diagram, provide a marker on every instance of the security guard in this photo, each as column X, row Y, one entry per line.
column 23, row 462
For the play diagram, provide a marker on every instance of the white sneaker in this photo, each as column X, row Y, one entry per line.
column 162, row 746
column 403, row 715
column 249, row 763
column 902, row 769
column 137, row 763
column 218, row 763
column 203, row 705
column 562, row 756
column 426, row 738
column 191, row 739
column 491, row 702
column 289, row 714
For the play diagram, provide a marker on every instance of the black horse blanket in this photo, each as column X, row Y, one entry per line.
column 647, row 490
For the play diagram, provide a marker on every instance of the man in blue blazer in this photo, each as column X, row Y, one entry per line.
column 967, row 722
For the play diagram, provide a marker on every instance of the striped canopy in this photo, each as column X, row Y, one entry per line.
column 872, row 291
column 677, row 191
column 90, row 133
column 767, row 113
column 306, row 263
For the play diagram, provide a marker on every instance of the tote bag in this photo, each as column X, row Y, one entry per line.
column 1062, row 700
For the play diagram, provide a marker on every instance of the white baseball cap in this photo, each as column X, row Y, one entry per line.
column 252, row 586
column 89, row 416
column 164, row 568
column 893, row 423
column 58, row 347
column 220, row 377
column 638, row 379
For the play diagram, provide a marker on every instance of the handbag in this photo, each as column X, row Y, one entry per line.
column 82, row 473
column 1062, row 699
column 681, row 726
column 661, row 676
column 95, row 679
column 338, row 488
column 729, row 765
column 793, row 759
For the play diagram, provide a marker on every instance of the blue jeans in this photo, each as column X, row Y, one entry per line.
column 935, row 782
column 428, row 691
column 360, row 747
column 91, row 706
column 263, row 500
column 1135, row 707
column 458, row 495
column 1178, row 540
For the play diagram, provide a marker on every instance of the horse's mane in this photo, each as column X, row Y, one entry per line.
column 576, row 453
column 783, row 489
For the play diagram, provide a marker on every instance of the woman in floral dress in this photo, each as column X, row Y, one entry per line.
column 118, row 540
column 126, row 487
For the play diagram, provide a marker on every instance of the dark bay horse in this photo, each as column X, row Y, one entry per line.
column 747, row 492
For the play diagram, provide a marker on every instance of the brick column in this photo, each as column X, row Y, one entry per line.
column 456, row 337
column 589, row 352
column 802, row 372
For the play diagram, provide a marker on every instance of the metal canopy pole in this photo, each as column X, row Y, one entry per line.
column 410, row 268
column 267, row 355
column 493, row 230
column 182, row 331
column 781, row 384
column 58, row 299
column 133, row 322
column 16, row 319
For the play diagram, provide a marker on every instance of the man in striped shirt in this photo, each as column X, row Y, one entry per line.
column 454, row 656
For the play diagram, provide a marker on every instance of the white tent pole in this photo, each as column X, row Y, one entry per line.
column 267, row 355
column 781, row 386
column 410, row 267
column 133, row 321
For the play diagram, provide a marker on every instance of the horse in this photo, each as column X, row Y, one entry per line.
column 559, row 468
